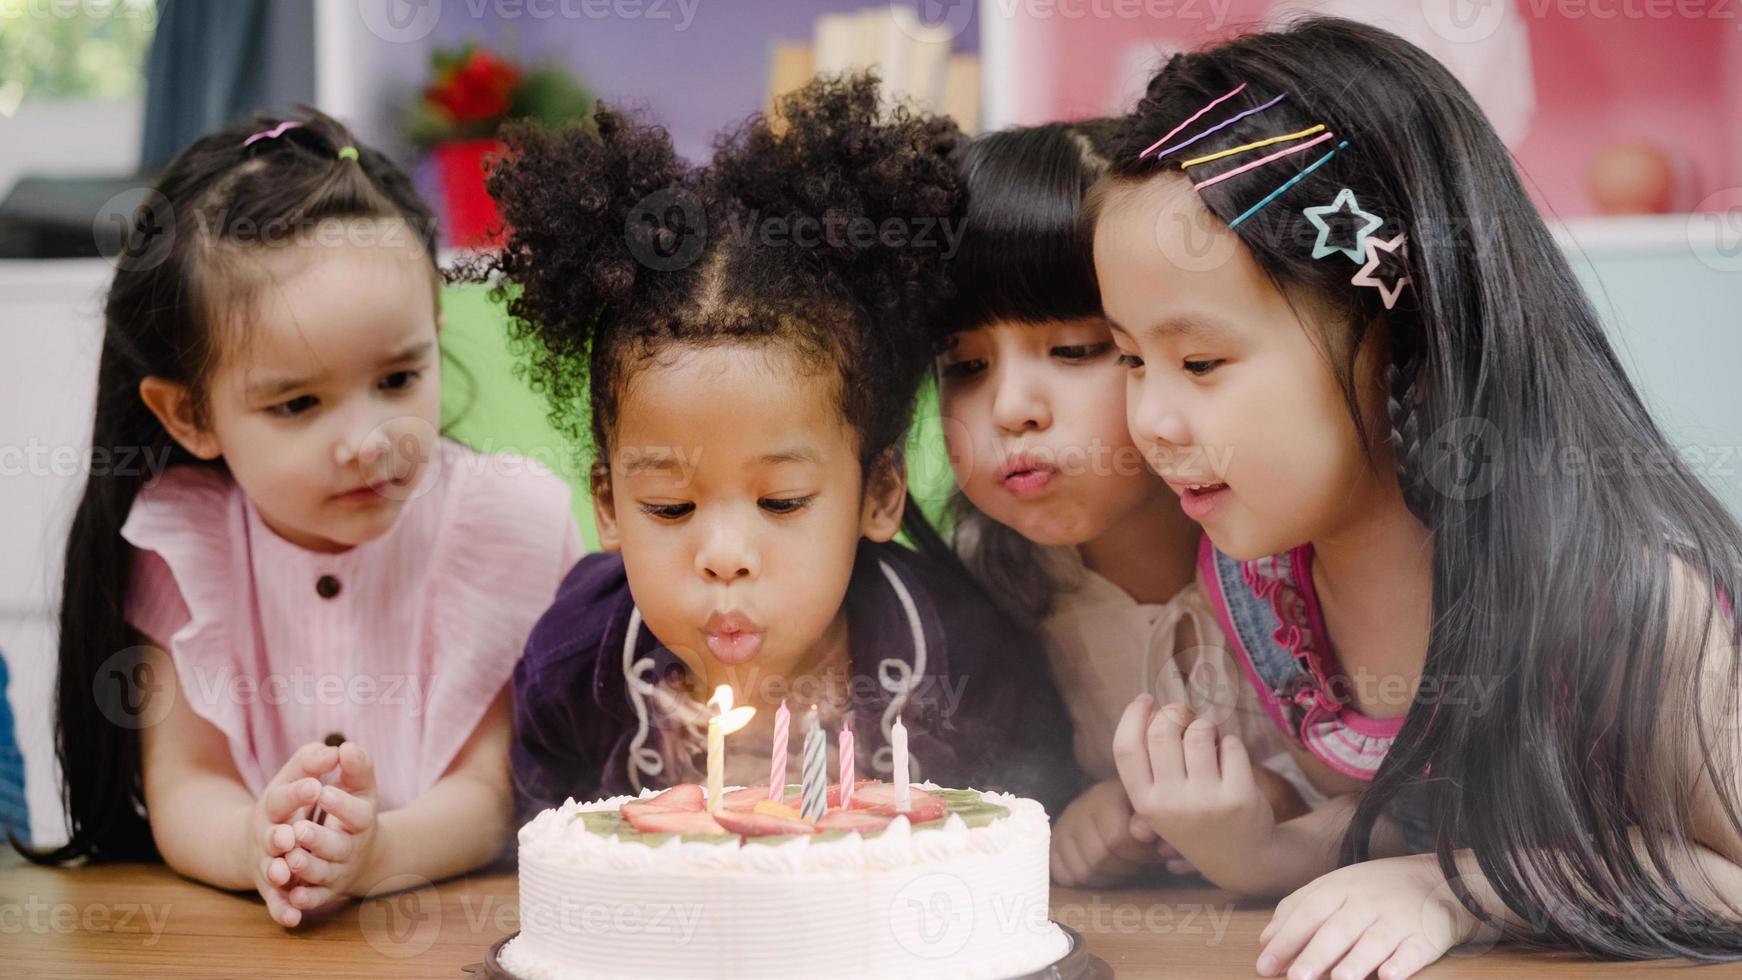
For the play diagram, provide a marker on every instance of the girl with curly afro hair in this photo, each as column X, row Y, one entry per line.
column 743, row 343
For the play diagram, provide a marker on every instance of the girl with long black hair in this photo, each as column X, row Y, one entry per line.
column 1349, row 339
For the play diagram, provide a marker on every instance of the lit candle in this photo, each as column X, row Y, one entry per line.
column 898, row 742
column 846, row 766
column 816, row 770
column 777, row 758
column 726, row 720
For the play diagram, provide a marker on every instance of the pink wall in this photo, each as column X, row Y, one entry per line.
column 1674, row 82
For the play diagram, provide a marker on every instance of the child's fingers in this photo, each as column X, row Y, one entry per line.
column 1411, row 957
column 1142, row 831
column 278, row 839
column 1331, row 942
column 310, row 759
column 310, row 897
column 275, row 870
column 1166, row 754
column 325, row 842
column 1180, row 866
column 1130, row 750
column 279, row 907
column 1236, row 764
column 1067, row 862
column 311, row 869
column 1374, row 947
column 1199, row 750
column 1112, row 828
column 281, row 800
column 1291, row 937
column 354, row 813
column 356, row 770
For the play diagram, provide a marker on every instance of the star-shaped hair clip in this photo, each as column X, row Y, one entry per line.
column 1395, row 248
column 1365, row 224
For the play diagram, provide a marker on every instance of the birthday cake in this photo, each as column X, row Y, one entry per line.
column 948, row 883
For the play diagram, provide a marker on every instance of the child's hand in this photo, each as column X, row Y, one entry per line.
column 331, row 858
column 1092, row 846
column 269, row 835
column 1192, row 785
column 1392, row 916
column 1170, row 856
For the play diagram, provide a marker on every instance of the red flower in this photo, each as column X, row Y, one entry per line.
column 479, row 89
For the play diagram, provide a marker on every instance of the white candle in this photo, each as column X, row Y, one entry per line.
column 725, row 721
column 898, row 742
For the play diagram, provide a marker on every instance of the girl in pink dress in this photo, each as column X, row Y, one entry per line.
column 1359, row 357
column 291, row 607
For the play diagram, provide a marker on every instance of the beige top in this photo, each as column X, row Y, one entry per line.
column 1105, row 648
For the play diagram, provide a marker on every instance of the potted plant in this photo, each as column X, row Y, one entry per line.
column 473, row 93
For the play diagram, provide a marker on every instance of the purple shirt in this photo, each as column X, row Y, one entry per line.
column 970, row 686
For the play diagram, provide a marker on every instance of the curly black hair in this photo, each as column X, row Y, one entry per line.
column 820, row 230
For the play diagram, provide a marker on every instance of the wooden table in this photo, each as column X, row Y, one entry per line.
column 140, row 921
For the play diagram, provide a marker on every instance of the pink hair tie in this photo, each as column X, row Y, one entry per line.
column 271, row 134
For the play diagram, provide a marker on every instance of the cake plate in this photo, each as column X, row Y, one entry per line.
column 1077, row 963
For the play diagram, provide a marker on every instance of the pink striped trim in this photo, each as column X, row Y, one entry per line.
column 1330, row 757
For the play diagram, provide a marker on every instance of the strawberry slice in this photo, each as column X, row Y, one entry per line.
column 663, row 820
column 868, row 793
column 744, row 799
column 684, row 796
column 922, row 806
column 796, row 800
column 760, row 824
column 863, row 821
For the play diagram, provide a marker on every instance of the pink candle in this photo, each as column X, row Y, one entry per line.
column 846, row 766
column 777, row 759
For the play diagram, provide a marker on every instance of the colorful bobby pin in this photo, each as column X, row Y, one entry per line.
column 1194, row 161
column 273, row 133
column 1297, row 178
column 1279, row 154
column 1194, row 118
column 1231, row 120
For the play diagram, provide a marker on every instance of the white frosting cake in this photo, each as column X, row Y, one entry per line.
column 942, row 900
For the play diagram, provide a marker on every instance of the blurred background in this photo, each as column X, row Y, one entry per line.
column 1625, row 118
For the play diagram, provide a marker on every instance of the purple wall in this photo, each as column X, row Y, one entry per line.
column 696, row 76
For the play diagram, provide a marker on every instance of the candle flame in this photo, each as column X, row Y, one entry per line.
column 735, row 719
column 730, row 719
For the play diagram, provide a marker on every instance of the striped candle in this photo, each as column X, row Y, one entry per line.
column 846, row 765
column 777, row 757
column 816, row 770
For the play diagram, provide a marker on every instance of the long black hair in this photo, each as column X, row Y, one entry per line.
column 822, row 231
column 1557, row 582
column 1025, row 257
column 165, row 317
